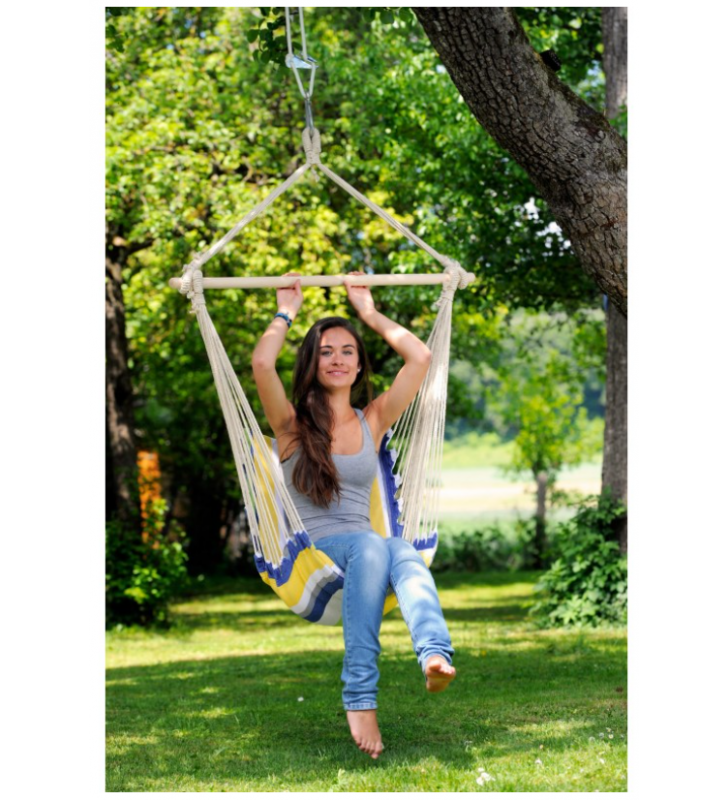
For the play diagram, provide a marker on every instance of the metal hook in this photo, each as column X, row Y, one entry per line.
column 298, row 61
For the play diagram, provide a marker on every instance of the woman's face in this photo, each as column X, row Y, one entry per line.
column 338, row 364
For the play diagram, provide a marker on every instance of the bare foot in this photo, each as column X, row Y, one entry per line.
column 438, row 674
column 365, row 731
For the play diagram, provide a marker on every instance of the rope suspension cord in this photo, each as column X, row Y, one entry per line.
column 312, row 148
column 303, row 61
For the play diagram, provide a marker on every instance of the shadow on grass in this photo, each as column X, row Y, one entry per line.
column 211, row 586
column 188, row 623
column 507, row 608
column 240, row 720
column 236, row 723
column 501, row 578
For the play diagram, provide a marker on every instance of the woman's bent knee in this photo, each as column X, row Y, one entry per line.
column 370, row 548
column 401, row 548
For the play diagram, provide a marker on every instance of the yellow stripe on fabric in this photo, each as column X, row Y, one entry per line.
column 390, row 603
column 265, row 498
column 377, row 511
column 311, row 560
column 306, row 564
column 378, row 515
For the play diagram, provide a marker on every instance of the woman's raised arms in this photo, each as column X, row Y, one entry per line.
column 386, row 409
column 278, row 409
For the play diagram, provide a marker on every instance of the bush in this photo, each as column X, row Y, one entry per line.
column 533, row 548
column 587, row 583
column 143, row 576
column 478, row 550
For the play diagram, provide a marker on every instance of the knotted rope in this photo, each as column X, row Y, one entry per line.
column 312, row 146
column 192, row 287
column 458, row 279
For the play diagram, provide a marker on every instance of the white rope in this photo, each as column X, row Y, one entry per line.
column 312, row 147
column 202, row 258
column 260, row 478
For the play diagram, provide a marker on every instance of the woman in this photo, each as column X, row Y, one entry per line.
column 328, row 451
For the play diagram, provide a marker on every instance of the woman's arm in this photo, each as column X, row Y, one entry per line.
column 278, row 409
column 386, row 409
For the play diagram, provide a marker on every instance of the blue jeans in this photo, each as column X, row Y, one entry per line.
column 371, row 564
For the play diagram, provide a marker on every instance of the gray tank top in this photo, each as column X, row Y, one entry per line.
column 356, row 475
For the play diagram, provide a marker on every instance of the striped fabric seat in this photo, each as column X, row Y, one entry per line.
column 306, row 579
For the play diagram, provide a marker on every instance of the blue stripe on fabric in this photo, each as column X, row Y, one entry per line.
column 426, row 544
column 325, row 593
column 390, row 486
column 280, row 574
column 322, row 592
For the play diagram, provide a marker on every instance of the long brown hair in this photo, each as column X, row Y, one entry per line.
column 315, row 472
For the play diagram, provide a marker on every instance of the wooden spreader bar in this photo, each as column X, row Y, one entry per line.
column 271, row 282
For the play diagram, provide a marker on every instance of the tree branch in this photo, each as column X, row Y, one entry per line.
column 575, row 158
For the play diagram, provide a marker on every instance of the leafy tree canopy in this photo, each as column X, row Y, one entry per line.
column 200, row 128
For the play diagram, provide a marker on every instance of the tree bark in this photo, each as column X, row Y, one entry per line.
column 614, row 465
column 614, row 36
column 122, row 490
column 540, row 541
column 614, row 468
column 575, row 158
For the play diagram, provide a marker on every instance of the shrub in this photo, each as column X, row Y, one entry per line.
column 533, row 549
column 142, row 576
column 474, row 551
column 587, row 583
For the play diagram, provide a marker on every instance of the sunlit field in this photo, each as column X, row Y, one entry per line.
column 477, row 490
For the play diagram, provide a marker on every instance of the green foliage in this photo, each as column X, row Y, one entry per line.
column 498, row 546
column 575, row 34
column 114, row 40
column 270, row 30
column 475, row 551
column 142, row 576
column 587, row 583
column 532, row 543
column 200, row 129
column 540, row 396
column 476, row 450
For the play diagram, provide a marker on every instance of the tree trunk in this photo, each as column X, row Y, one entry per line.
column 540, row 543
column 122, row 491
column 614, row 469
column 614, row 35
column 205, row 525
column 614, row 466
column 575, row 158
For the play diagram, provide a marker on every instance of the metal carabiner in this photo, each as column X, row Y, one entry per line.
column 297, row 61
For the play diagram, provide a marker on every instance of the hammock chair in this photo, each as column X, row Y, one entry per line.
column 403, row 503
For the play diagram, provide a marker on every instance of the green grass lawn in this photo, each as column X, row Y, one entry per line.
column 240, row 695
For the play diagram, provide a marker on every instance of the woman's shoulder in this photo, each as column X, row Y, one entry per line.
column 287, row 441
column 370, row 415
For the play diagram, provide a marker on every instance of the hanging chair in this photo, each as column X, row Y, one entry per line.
column 403, row 503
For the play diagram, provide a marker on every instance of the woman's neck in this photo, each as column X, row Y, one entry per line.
column 340, row 404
